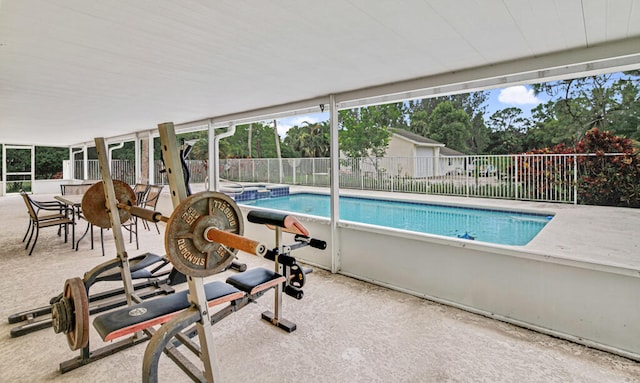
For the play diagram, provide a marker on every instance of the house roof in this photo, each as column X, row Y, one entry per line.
column 419, row 140
column 450, row 152
column 71, row 70
column 415, row 138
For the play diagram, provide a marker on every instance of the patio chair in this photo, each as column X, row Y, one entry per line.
column 150, row 202
column 43, row 214
column 141, row 193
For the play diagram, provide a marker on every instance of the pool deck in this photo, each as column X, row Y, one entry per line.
column 348, row 330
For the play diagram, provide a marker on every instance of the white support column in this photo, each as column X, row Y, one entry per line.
column 152, row 168
column 72, row 162
column 72, row 170
column 33, row 166
column 137, row 159
column 335, row 184
column 85, row 163
column 212, row 170
column 4, row 173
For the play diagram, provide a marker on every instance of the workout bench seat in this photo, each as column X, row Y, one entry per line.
column 255, row 280
column 131, row 319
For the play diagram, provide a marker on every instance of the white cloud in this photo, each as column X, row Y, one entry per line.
column 284, row 124
column 518, row 95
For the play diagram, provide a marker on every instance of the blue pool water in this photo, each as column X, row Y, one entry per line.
column 494, row 226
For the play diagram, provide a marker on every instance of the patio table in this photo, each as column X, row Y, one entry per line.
column 75, row 202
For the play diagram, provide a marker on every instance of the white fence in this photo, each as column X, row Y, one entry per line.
column 122, row 170
column 534, row 177
column 542, row 177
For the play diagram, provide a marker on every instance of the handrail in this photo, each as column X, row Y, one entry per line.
column 234, row 182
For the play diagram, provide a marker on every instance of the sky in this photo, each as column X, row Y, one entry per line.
column 519, row 96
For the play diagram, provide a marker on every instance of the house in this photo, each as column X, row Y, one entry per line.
column 419, row 157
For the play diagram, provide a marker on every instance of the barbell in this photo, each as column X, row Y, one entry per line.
column 203, row 234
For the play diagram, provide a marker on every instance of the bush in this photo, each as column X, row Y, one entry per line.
column 603, row 178
column 608, row 180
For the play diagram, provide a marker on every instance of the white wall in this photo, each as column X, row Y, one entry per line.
column 586, row 303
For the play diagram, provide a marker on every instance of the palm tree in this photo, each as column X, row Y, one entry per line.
column 314, row 139
column 278, row 153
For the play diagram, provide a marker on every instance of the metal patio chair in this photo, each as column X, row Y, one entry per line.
column 43, row 214
column 151, row 200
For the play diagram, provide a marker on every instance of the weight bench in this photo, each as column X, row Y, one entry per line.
column 40, row 318
column 128, row 320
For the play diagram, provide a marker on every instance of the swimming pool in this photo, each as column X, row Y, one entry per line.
column 493, row 226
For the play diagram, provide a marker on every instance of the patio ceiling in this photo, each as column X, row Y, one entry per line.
column 71, row 70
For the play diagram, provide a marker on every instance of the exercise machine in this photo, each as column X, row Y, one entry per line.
column 202, row 238
column 147, row 268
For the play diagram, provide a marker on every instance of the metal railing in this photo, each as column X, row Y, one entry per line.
column 122, row 170
column 534, row 177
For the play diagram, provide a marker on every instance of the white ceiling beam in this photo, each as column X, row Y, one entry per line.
column 612, row 57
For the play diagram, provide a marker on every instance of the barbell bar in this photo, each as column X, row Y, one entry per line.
column 203, row 234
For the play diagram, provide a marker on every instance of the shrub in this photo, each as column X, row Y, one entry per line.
column 603, row 178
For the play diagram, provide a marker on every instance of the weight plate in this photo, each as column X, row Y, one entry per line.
column 61, row 315
column 187, row 249
column 75, row 291
column 297, row 278
column 94, row 203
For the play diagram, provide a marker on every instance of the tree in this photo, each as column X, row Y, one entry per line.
column 507, row 118
column 608, row 101
column 250, row 134
column 278, row 152
column 550, row 127
column 606, row 180
column 263, row 143
column 49, row 161
column 365, row 132
column 450, row 126
column 313, row 139
column 419, row 111
column 508, row 131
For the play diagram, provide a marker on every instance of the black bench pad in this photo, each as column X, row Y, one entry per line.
column 130, row 319
column 137, row 265
column 255, row 280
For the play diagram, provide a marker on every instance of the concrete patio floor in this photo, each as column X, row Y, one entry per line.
column 348, row 330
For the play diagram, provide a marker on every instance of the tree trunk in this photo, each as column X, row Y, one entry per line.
column 250, row 131
column 275, row 130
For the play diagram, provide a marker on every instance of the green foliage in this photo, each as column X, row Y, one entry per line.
column 263, row 142
column 49, row 162
column 602, row 180
column 365, row 132
column 611, row 181
column 450, row 126
column 310, row 140
column 609, row 102
column 508, row 131
column 419, row 111
column 18, row 160
column 126, row 153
